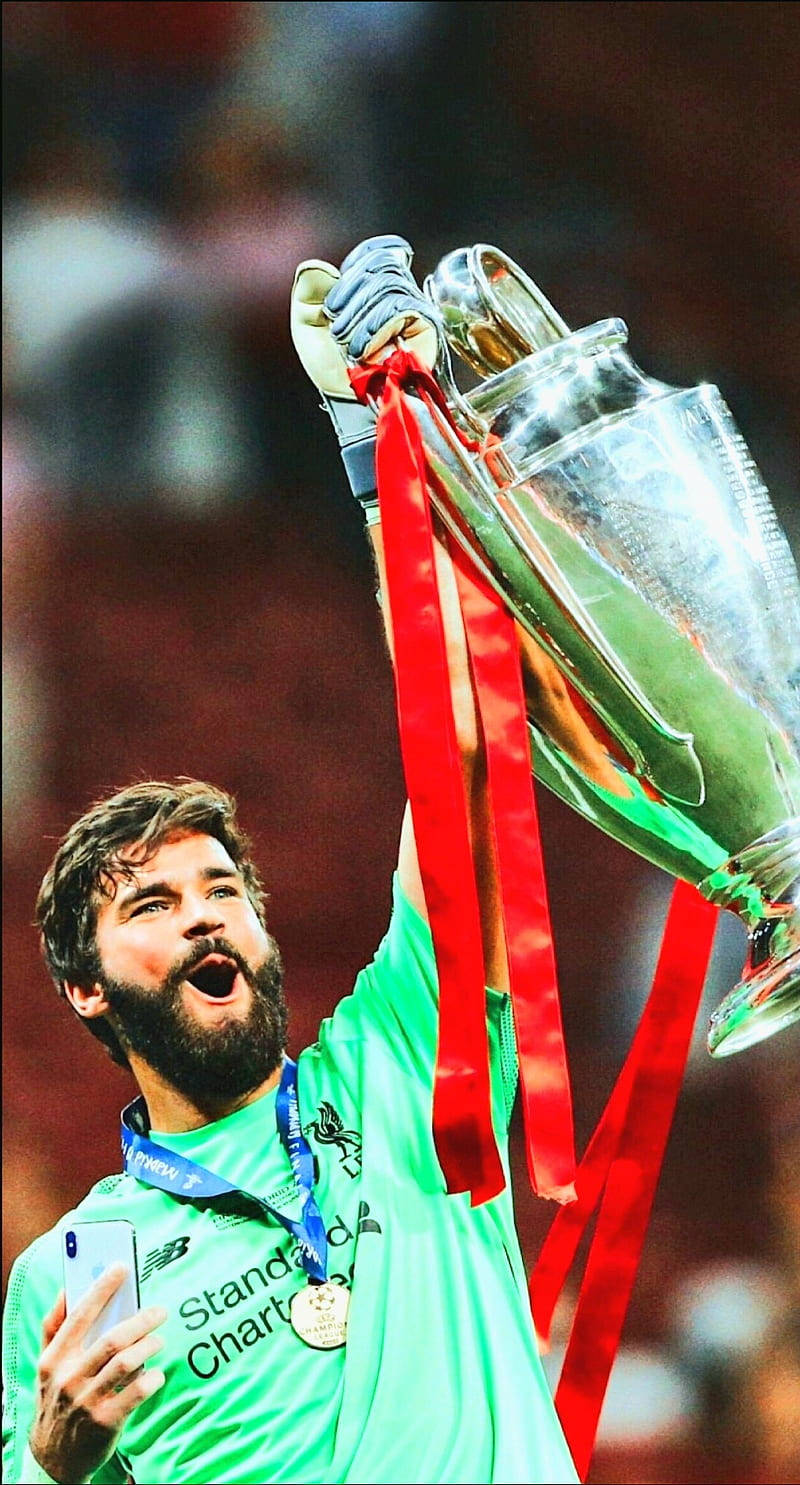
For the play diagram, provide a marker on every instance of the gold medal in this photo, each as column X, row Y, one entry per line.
column 319, row 1315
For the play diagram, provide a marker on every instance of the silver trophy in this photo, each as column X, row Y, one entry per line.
column 626, row 526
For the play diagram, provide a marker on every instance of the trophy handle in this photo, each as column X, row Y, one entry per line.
column 493, row 314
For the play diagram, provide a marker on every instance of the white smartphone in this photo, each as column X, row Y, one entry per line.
column 89, row 1248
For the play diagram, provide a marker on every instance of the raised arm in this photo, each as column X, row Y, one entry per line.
column 371, row 305
column 473, row 764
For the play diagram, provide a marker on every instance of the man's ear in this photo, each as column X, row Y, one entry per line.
column 87, row 1001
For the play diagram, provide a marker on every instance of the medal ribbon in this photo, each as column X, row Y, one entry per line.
column 462, row 1124
column 620, row 1171
column 156, row 1165
column 314, row 1243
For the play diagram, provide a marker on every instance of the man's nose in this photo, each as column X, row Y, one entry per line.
column 201, row 917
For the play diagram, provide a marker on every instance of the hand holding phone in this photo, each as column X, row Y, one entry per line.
column 91, row 1371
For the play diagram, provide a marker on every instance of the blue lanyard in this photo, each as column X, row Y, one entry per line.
column 155, row 1165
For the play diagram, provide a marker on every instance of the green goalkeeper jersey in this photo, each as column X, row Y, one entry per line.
column 440, row 1379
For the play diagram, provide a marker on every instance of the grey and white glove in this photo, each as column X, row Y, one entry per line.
column 340, row 317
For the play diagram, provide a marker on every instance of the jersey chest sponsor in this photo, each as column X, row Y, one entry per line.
column 236, row 1303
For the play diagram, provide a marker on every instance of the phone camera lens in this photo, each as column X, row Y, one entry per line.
column 72, row 1245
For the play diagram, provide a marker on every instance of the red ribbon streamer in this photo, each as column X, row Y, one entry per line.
column 620, row 1170
column 622, row 1162
column 544, row 1077
column 446, row 861
column 462, row 1121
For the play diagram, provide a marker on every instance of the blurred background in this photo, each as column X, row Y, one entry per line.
column 188, row 586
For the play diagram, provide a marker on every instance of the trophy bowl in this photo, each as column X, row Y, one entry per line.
column 626, row 526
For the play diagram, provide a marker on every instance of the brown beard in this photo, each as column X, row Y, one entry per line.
column 204, row 1062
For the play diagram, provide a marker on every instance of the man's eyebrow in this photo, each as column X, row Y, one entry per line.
column 138, row 894
column 166, row 889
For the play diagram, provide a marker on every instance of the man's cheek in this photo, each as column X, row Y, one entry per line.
column 145, row 966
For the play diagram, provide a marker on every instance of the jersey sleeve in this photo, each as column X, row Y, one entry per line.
column 32, row 1289
column 396, row 999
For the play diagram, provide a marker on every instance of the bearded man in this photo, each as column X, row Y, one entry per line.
column 315, row 1305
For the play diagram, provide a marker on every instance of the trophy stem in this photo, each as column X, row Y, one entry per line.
column 762, row 884
column 757, row 1008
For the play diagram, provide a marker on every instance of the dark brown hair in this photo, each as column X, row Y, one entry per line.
column 143, row 815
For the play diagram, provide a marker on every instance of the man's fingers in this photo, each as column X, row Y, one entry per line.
column 120, row 1338
column 375, row 252
column 357, row 312
column 318, row 352
column 413, row 334
column 314, row 272
column 396, row 317
column 117, row 1406
column 124, row 1365
column 313, row 281
column 356, row 291
column 94, row 1300
column 54, row 1320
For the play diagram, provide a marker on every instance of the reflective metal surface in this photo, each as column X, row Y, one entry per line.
column 493, row 314
column 625, row 523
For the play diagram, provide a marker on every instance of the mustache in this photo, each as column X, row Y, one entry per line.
column 200, row 951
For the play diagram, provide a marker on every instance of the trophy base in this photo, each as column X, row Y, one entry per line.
column 767, row 1002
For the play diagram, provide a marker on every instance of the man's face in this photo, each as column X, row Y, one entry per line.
column 193, row 980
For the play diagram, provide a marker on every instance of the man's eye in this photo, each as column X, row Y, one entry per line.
column 147, row 907
column 226, row 892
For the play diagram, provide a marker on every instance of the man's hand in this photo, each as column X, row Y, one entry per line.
column 356, row 314
column 85, row 1396
column 321, row 357
column 377, row 300
column 356, row 311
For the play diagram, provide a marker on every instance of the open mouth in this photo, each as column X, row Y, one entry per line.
column 214, row 977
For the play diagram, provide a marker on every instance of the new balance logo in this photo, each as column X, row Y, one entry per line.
column 160, row 1257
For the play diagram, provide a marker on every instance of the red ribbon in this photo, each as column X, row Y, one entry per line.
column 620, row 1171
column 462, row 1096
column 544, row 1077
column 622, row 1162
column 462, row 1122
